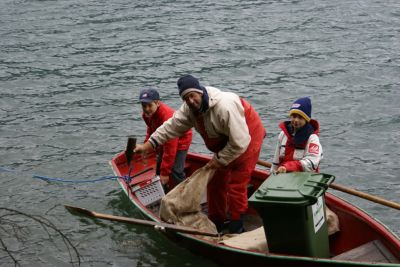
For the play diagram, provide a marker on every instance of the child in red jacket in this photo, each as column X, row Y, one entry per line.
column 172, row 155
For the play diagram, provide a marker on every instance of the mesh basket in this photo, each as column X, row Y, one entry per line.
column 150, row 191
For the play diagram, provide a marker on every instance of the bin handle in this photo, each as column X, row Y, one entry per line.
column 260, row 193
column 320, row 186
column 315, row 195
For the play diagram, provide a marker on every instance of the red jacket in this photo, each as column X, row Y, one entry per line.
column 162, row 114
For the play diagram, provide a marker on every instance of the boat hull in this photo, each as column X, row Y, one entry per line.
column 358, row 227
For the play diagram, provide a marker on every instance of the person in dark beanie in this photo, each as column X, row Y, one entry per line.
column 298, row 147
column 232, row 130
column 172, row 155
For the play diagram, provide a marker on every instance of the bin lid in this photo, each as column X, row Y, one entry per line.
column 295, row 188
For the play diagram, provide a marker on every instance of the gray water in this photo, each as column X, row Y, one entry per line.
column 71, row 71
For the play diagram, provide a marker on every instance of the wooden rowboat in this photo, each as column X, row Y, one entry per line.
column 362, row 240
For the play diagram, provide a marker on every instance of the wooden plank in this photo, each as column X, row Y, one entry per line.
column 373, row 251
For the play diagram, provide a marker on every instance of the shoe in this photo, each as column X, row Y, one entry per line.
column 236, row 227
column 220, row 227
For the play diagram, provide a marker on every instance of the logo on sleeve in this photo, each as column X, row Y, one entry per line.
column 313, row 148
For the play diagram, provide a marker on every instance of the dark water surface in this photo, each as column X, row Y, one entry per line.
column 70, row 72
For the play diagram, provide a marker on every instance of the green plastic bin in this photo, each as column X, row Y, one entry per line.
column 292, row 207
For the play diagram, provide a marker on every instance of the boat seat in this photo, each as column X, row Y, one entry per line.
column 253, row 240
column 373, row 251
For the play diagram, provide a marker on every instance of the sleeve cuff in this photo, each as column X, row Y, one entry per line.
column 153, row 142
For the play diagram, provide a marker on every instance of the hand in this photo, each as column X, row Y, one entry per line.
column 164, row 179
column 142, row 148
column 281, row 169
column 214, row 164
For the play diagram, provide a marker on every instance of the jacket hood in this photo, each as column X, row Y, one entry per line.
column 314, row 124
column 214, row 95
column 300, row 138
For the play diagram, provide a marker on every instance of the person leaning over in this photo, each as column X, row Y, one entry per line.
column 298, row 148
column 232, row 129
column 172, row 155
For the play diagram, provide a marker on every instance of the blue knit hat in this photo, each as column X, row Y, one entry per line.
column 187, row 84
column 302, row 106
column 148, row 95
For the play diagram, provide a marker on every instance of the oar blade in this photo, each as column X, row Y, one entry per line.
column 79, row 210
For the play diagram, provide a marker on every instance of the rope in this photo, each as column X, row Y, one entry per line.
column 51, row 179
column 6, row 170
column 127, row 178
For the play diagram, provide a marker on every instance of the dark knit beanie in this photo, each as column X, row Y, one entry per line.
column 302, row 106
column 187, row 84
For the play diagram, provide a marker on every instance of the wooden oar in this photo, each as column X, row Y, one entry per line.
column 350, row 191
column 264, row 163
column 365, row 196
column 172, row 227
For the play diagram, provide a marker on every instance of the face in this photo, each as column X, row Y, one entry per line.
column 297, row 121
column 150, row 108
column 193, row 100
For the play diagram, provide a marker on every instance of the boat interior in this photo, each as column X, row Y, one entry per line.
column 357, row 240
column 369, row 249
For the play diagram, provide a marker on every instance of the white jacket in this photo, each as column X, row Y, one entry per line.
column 305, row 159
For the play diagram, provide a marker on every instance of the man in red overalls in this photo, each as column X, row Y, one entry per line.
column 230, row 128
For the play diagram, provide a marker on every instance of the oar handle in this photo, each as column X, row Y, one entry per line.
column 365, row 196
column 350, row 191
column 130, row 146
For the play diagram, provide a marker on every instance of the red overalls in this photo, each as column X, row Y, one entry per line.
column 227, row 191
